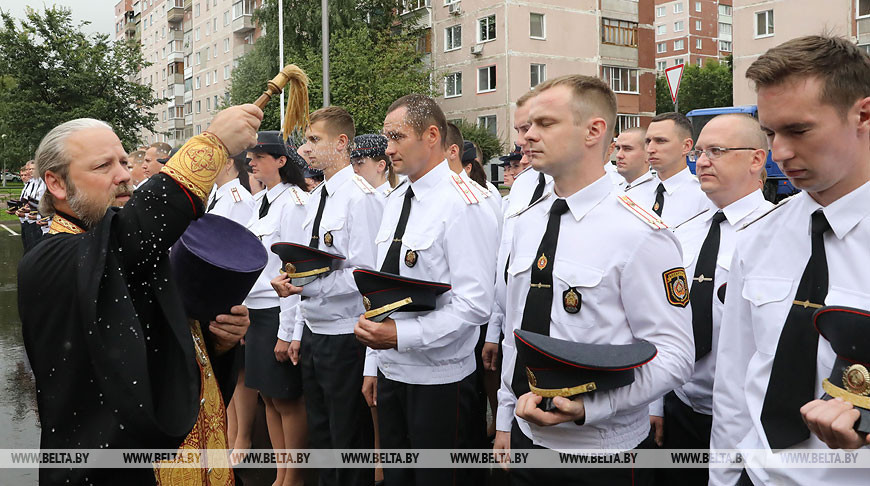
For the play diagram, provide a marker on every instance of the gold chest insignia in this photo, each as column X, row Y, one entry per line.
column 327, row 238
column 411, row 258
column 542, row 262
column 856, row 378
column 656, row 207
column 571, row 301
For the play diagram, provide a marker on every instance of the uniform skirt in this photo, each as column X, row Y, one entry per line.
column 272, row 378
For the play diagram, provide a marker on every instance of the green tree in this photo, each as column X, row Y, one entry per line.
column 372, row 62
column 489, row 144
column 52, row 72
column 701, row 87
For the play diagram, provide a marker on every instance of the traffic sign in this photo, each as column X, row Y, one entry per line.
column 674, row 75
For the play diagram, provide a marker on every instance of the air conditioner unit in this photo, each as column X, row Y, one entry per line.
column 477, row 49
column 454, row 8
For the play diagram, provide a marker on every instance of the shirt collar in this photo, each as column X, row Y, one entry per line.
column 276, row 191
column 430, row 180
column 844, row 213
column 338, row 179
column 674, row 182
column 222, row 190
column 641, row 179
column 582, row 201
column 741, row 208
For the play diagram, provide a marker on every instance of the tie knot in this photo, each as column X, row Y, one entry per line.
column 409, row 193
column 718, row 217
column 324, row 192
column 660, row 189
column 560, row 206
column 819, row 222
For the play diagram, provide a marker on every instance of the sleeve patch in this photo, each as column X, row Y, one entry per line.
column 676, row 287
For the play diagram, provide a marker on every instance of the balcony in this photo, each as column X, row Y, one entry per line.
column 188, row 72
column 177, row 123
column 188, row 120
column 242, row 49
column 175, row 13
column 130, row 28
column 176, row 34
column 243, row 24
column 188, row 96
column 176, row 79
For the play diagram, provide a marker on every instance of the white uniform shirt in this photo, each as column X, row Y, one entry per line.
column 453, row 237
column 351, row 216
column 233, row 201
column 384, row 188
column 489, row 196
column 641, row 181
column 282, row 223
column 768, row 262
column 683, row 197
column 27, row 192
column 520, row 195
column 616, row 261
column 698, row 392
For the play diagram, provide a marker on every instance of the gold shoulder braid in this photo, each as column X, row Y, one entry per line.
column 59, row 224
column 197, row 164
column 208, row 434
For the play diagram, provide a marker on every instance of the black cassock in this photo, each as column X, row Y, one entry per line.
column 107, row 336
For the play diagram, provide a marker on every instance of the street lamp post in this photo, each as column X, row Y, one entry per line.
column 324, row 27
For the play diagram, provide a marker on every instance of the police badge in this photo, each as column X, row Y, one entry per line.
column 571, row 300
column 411, row 258
column 327, row 238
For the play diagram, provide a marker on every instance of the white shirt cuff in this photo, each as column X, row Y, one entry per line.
column 409, row 335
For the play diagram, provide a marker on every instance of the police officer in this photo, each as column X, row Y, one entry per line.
column 230, row 198
column 729, row 156
column 420, row 370
column 675, row 195
column 342, row 217
column 583, row 249
column 631, row 160
column 814, row 106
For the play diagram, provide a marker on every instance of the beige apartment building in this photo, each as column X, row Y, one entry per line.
column 762, row 24
column 488, row 53
column 692, row 31
column 192, row 46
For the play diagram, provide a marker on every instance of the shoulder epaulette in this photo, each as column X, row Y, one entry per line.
column 459, row 184
column 630, row 186
column 693, row 217
column 296, row 196
column 236, row 196
column 392, row 189
column 780, row 204
column 647, row 217
column 484, row 191
column 521, row 211
column 363, row 185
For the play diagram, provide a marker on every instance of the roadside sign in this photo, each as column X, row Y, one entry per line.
column 674, row 75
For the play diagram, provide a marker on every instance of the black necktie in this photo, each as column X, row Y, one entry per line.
column 660, row 199
column 793, row 375
column 539, row 189
column 264, row 206
column 212, row 204
column 315, row 229
column 391, row 262
column 539, row 301
column 701, row 296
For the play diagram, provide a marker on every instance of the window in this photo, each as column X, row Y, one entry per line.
column 697, row 6
column 725, row 46
column 227, row 44
column 486, row 29
column 214, row 76
column 536, row 26
column 198, row 85
column 196, row 10
column 227, row 71
column 198, row 127
column 699, row 44
column 215, row 50
column 624, row 122
column 678, row 26
column 452, row 38
column 207, row 28
column 661, row 47
column 621, row 80
column 660, row 11
column 679, row 61
column 700, row 61
column 196, row 34
column 198, row 59
column 226, row 18
column 489, row 123
column 208, row 104
column 661, row 65
column 764, row 23
column 207, row 79
column 678, row 7
column 242, row 7
column 215, row 102
column 411, row 5
column 725, row 10
column 198, row 108
column 661, row 29
column 679, row 45
column 697, row 25
column 453, row 85
column 214, row 25
column 486, row 79
column 164, row 75
column 538, row 74
column 206, row 53
column 618, row 32
column 724, row 29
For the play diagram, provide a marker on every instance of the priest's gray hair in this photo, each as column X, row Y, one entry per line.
column 52, row 154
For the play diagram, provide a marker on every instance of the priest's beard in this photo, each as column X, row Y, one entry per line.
column 90, row 210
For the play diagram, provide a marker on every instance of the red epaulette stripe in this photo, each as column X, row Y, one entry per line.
column 466, row 191
column 646, row 215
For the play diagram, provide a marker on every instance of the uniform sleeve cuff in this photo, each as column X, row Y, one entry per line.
column 657, row 408
column 297, row 331
column 493, row 332
column 504, row 418
column 409, row 335
column 370, row 368
column 597, row 407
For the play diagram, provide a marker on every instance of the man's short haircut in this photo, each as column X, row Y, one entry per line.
column 454, row 136
column 641, row 131
column 163, row 148
column 681, row 123
column 592, row 98
column 422, row 113
column 338, row 121
column 841, row 66
column 751, row 134
column 525, row 98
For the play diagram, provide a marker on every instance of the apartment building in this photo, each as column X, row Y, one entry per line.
column 692, row 31
column 762, row 24
column 490, row 52
column 192, row 46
